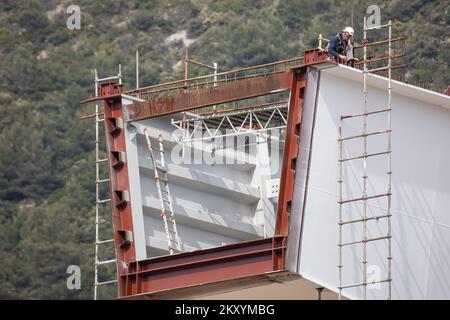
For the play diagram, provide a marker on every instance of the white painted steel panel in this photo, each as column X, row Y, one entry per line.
column 421, row 188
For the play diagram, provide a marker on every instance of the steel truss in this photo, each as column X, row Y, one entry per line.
column 260, row 118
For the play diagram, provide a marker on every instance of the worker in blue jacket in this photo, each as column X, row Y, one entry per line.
column 339, row 44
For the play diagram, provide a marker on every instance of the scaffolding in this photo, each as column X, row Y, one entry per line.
column 364, row 218
column 99, row 203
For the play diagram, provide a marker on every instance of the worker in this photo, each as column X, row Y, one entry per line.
column 339, row 44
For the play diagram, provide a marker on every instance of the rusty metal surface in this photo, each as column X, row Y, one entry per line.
column 119, row 182
column 228, row 262
column 218, row 287
column 447, row 91
column 290, row 151
column 314, row 56
column 237, row 90
column 99, row 98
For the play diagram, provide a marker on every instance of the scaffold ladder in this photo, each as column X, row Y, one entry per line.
column 364, row 218
column 167, row 213
column 99, row 203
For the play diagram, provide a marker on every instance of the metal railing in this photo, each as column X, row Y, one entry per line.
column 212, row 80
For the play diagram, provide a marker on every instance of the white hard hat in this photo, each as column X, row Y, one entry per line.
column 349, row 30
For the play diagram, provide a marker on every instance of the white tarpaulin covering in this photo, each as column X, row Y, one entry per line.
column 420, row 187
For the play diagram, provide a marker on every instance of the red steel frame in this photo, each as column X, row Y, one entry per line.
column 118, row 173
column 250, row 258
column 291, row 143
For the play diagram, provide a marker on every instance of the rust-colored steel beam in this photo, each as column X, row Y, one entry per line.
column 229, row 92
column 240, row 108
column 118, row 173
column 109, row 97
column 290, row 152
column 314, row 56
column 447, row 91
column 228, row 262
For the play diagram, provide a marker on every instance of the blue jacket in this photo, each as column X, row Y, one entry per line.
column 337, row 45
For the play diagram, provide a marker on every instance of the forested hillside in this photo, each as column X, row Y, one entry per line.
column 47, row 185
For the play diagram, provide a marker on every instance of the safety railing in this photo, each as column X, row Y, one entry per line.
column 213, row 80
column 378, row 55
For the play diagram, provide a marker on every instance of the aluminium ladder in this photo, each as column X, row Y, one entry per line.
column 167, row 213
column 99, row 203
column 364, row 218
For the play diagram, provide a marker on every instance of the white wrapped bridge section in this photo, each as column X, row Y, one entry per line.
column 420, row 187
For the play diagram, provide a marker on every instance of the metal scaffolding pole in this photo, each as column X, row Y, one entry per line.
column 389, row 172
column 98, row 182
column 364, row 218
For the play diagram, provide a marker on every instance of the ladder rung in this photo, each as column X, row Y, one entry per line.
column 165, row 200
column 365, row 156
column 108, row 79
column 377, row 27
column 366, row 198
column 101, row 160
column 102, row 180
column 366, row 219
column 364, row 114
column 105, row 262
column 156, row 148
column 104, row 241
column 170, row 228
column 377, row 69
column 100, row 119
column 363, row 241
column 365, row 135
column 363, row 284
column 170, row 219
column 104, row 282
column 103, row 201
